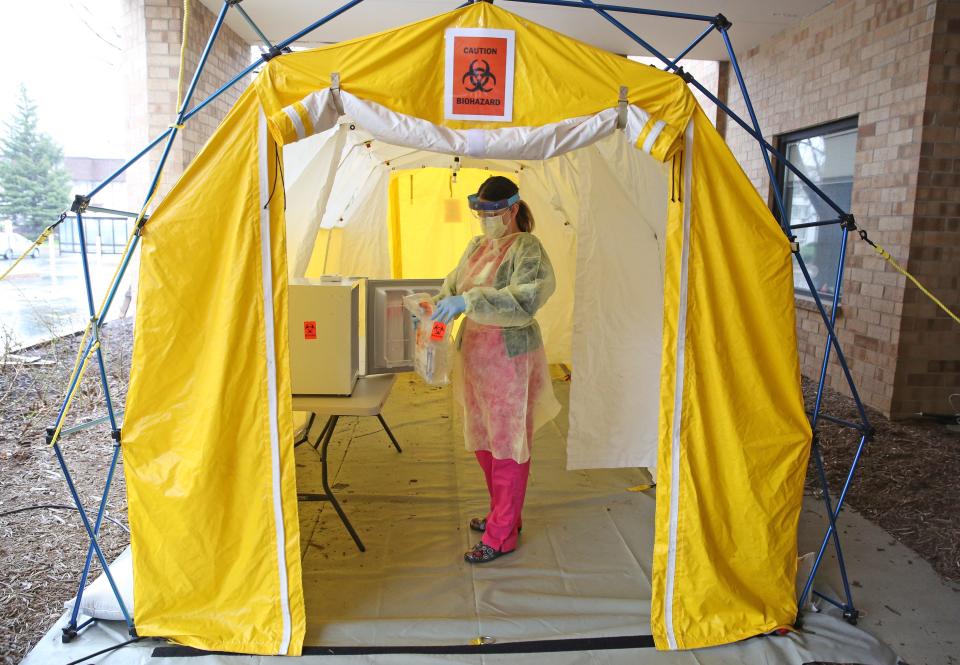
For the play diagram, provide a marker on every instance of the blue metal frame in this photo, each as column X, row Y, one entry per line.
column 72, row 628
column 254, row 26
column 70, row 631
column 691, row 46
column 96, row 319
column 756, row 123
column 753, row 129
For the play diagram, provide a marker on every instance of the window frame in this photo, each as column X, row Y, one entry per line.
column 780, row 170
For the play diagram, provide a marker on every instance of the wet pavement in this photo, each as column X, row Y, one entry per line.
column 45, row 297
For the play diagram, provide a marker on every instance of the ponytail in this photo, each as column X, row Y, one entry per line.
column 525, row 220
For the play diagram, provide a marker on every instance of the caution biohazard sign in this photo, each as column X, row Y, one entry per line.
column 479, row 74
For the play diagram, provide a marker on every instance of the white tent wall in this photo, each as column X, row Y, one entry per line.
column 354, row 202
column 313, row 161
column 602, row 207
column 618, row 319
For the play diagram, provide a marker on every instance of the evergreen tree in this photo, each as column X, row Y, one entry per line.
column 34, row 185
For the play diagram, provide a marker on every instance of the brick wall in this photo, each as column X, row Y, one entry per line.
column 928, row 368
column 872, row 59
column 154, row 34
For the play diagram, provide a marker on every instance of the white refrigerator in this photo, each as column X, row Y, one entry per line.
column 335, row 338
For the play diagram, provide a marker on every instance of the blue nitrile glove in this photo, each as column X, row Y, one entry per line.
column 449, row 308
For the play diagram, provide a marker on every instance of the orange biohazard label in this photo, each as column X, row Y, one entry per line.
column 309, row 329
column 479, row 74
column 438, row 331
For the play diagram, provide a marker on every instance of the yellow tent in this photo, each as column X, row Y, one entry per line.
column 208, row 433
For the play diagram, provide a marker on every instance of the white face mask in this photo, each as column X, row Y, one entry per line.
column 494, row 226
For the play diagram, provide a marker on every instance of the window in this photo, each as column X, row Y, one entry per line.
column 104, row 235
column 825, row 155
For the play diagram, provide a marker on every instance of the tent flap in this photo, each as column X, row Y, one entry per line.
column 211, row 490
column 734, row 437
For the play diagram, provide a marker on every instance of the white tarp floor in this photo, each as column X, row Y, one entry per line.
column 582, row 569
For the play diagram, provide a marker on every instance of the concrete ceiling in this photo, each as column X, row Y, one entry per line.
column 754, row 21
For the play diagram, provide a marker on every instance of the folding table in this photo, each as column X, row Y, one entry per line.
column 367, row 399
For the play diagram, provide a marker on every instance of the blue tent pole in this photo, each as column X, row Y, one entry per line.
column 756, row 126
column 832, row 527
column 849, row 613
column 73, row 382
column 818, row 458
column 254, row 26
column 93, row 531
column 841, row 262
column 226, row 86
column 203, row 61
column 71, row 628
column 93, row 536
column 93, row 315
column 692, row 46
column 113, row 176
column 808, row 225
column 316, row 24
column 620, row 9
column 843, row 423
column 86, row 266
column 832, row 338
column 634, row 36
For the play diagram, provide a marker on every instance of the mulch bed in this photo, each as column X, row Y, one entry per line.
column 906, row 483
column 43, row 550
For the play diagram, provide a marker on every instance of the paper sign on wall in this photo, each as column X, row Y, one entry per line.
column 479, row 74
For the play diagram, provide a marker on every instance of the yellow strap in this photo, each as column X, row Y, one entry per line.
column 66, row 409
column 183, row 53
column 36, row 243
column 885, row 254
column 640, row 488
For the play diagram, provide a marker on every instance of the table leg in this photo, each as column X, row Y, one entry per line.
column 393, row 439
column 323, row 432
column 328, row 434
column 306, row 431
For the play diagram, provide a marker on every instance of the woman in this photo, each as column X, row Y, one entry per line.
column 500, row 371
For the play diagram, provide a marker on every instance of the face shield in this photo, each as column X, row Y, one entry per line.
column 485, row 209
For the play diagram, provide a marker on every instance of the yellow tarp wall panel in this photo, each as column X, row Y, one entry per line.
column 196, row 435
column 744, row 435
column 431, row 222
column 556, row 77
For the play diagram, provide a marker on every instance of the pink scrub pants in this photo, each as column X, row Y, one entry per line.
column 507, row 485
